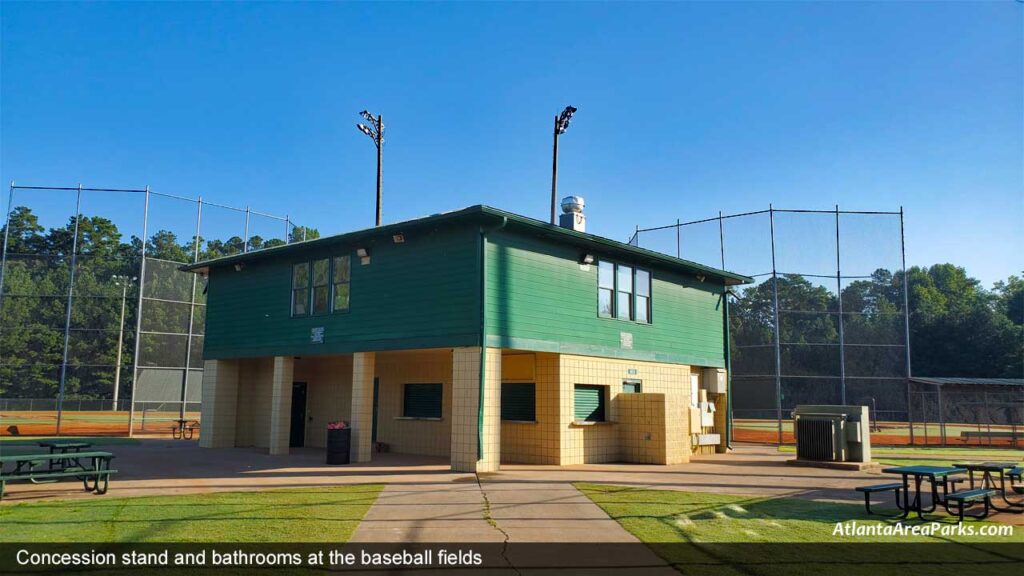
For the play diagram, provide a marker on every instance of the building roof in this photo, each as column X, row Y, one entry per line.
column 968, row 381
column 491, row 215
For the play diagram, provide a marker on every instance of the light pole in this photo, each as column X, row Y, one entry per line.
column 376, row 133
column 561, row 125
column 123, row 282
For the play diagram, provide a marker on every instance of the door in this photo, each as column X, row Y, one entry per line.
column 297, row 434
column 376, row 392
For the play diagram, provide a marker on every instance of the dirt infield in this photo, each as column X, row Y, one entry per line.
column 890, row 434
column 89, row 423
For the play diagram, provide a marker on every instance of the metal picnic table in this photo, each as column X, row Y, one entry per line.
column 987, row 481
column 934, row 474
column 64, row 447
column 28, row 467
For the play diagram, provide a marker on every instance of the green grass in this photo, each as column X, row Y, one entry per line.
column 934, row 456
column 321, row 514
column 718, row 526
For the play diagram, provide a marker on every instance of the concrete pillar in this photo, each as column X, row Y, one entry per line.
column 220, row 404
column 363, row 369
column 466, row 429
column 281, row 405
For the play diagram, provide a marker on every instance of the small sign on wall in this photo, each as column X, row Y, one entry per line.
column 316, row 335
column 626, row 340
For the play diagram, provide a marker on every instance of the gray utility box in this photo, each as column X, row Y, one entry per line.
column 714, row 380
column 827, row 433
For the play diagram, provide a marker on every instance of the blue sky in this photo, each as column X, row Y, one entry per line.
column 684, row 110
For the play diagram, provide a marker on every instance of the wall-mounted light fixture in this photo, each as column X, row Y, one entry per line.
column 364, row 256
column 586, row 258
column 398, row 238
column 701, row 278
column 239, row 266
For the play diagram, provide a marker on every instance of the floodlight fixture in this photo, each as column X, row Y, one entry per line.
column 561, row 125
column 376, row 133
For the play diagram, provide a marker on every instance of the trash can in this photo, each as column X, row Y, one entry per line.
column 338, row 443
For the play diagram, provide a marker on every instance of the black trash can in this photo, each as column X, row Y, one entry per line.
column 338, row 443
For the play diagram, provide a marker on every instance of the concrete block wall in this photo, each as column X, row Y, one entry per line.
column 537, row 442
column 253, row 404
column 328, row 393
column 281, row 404
column 466, row 401
column 597, row 443
column 219, row 407
column 394, row 370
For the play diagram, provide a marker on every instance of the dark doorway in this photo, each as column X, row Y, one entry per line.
column 297, row 435
column 376, row 393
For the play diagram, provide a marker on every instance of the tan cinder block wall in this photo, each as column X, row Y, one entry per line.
column 582, row 444
column 538, row 442
column 281, row 405
column 255, row 379
column 363, row 369
column 466, row 402
column 394, row 370
column 219, row 408
column 328, row 393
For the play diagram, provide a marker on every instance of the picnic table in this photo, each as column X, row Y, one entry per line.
column 64, row 447
column 987, row 469
column 184, row 428
column 94, row 474
column 936, row 475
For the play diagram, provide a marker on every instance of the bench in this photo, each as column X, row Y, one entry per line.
column 184, row 429
column 869, row 490
column 1016, row 475
column 95, row 479
column 967, row 498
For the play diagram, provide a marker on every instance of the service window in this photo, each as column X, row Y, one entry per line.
column 321, row 273
column 422, row 400
column 519, row 402
column 632, row 386
column 300, row 289
column 588, row 403
column 341, row 275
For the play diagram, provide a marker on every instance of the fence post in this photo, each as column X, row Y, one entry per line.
column 906, row 322
column 245, row 240
column 67, row 314
column 3, row 254
column 138, row 315
column 839, row 302
column 775, row 314
column 191, row 311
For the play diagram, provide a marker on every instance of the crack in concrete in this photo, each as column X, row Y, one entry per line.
column 490, row 520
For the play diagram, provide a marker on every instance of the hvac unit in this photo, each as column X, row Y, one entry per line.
column 832, row 433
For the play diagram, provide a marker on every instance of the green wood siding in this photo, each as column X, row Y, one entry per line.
column 539, row 298
column 519, row 402
column 422, row 400
column 418, row 294
column 588, row 403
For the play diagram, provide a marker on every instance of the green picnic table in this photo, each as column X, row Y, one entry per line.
column 64, row 447
column 987, row 469
column 936, row 475
column 92, row 468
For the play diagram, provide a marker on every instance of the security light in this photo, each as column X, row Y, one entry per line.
column 398, row 238
column 362, row 252
column 239, row 266
column 700, row 278
column 586, row 258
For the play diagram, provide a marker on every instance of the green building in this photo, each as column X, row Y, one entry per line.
column 477, row 335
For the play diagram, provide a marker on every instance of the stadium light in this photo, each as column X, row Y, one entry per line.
column 561, row 125
column 376, row 133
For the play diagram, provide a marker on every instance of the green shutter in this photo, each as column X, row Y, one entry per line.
column 519, row 402
column 632, row 386
column 589, row 403
column 422, row 401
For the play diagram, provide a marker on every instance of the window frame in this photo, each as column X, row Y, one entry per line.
column 313, row 286
column 632, row 292
column 306, row 289
column 533, row 408
column 333, row 284
column 440, row 401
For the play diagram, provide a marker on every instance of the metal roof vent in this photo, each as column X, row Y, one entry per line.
column 572, row 216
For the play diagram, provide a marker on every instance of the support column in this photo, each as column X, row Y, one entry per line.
column 363, row 368
column 476, row 437
column 281, row 405
column 220, row 404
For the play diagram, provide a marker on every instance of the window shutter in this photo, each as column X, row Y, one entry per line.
column 422, row 401
column 589, row 403
column 519, row 402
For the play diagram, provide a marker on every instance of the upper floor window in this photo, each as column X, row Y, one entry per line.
column 321, row 274
column 623, row 292
column 321, row 286
column 342, row 274
column 300, row 289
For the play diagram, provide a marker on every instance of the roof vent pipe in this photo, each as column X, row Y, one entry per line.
column 572, row 216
